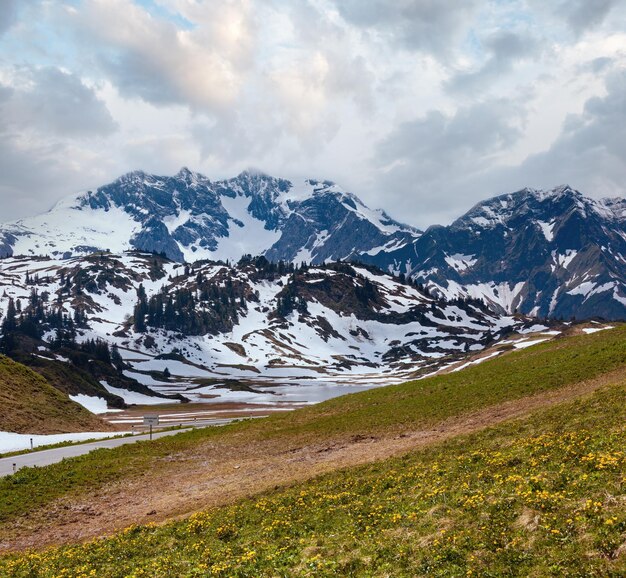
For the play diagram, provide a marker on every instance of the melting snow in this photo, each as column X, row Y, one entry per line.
column 547, row 229
column 133, row 397
column 527, row 343
column 461, row 262
column 252, row 238
column 92, row 403
column 596, row 329
column 15, row 442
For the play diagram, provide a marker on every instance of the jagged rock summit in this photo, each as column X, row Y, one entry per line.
column 189, row 217
column 553, row 253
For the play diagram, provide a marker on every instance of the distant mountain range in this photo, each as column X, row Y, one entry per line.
column 550, row 253
column 544, row 253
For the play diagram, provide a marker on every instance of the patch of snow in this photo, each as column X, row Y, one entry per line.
column 566, row 259
column 588, row 288
column 15, row 442
column 528, row 343
column 460, row 262
column 92, row 403
column 252, row 238
column 477, row 361
column 596, row 329
column 547, row 229
column 67, row 226
column 135, row 398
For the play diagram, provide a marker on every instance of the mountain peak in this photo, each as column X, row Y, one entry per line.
column 252, row 172
column 184, row 172
column 189, row 217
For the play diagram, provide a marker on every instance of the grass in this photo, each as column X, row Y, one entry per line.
column 542, row 496
column 31, row 405
column 546, row 366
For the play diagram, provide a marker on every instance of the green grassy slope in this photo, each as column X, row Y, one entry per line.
column 29, row 404
column 396, row 408
column 542, row 496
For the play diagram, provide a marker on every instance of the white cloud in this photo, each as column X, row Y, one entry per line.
column 154, row 59
column 420, row 106
column 47, row 100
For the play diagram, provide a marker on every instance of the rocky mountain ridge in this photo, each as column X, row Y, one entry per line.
column 188, row 217
column 550, row 254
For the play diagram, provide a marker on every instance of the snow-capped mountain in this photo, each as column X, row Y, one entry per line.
column 211, row 322
column 549, row 253
column 188, row 217
column 544, row 253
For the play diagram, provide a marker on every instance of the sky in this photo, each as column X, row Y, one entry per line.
column 420, row 107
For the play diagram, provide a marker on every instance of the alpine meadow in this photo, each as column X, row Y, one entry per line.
column 374, row 327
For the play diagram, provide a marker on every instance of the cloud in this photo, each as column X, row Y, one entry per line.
column 153, row 58
column 429, row 158
column 420, row 106
column 8, row 14
column 50, row 101
column 296, row 100
column 470, row 136
column 597, row 65
column 582, row 15
column 46, row 118
column 590, row 152
column 505, row 49
column 430, row 26
column 439, row 166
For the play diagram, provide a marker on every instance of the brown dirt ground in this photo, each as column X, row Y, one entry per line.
column 216, row 474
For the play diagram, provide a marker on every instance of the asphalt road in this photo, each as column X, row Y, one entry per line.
column 47, row 457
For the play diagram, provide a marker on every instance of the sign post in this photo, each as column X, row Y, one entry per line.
column 151, row 420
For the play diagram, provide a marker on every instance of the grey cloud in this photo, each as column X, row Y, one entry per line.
column 45, row 118
column 8, row 14
column 153, row 59
column 579, row 16
column 423, row 25
column 450, row 165
column 35, row 173
column 505, row 50
column 53, row 102
column 585, row 14
column 591, row 149
column 597, row 65
column 428, row 160
column 434, row 141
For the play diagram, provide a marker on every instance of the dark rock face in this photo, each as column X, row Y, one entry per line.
column 7, row 240
column 187, row 215
column 551, row 254
column 156, row 238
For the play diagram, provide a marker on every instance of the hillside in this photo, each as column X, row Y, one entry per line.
column 214, row 467
column 261, row 322
column 547, row 253
column 542, row 496
column 31, row 405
